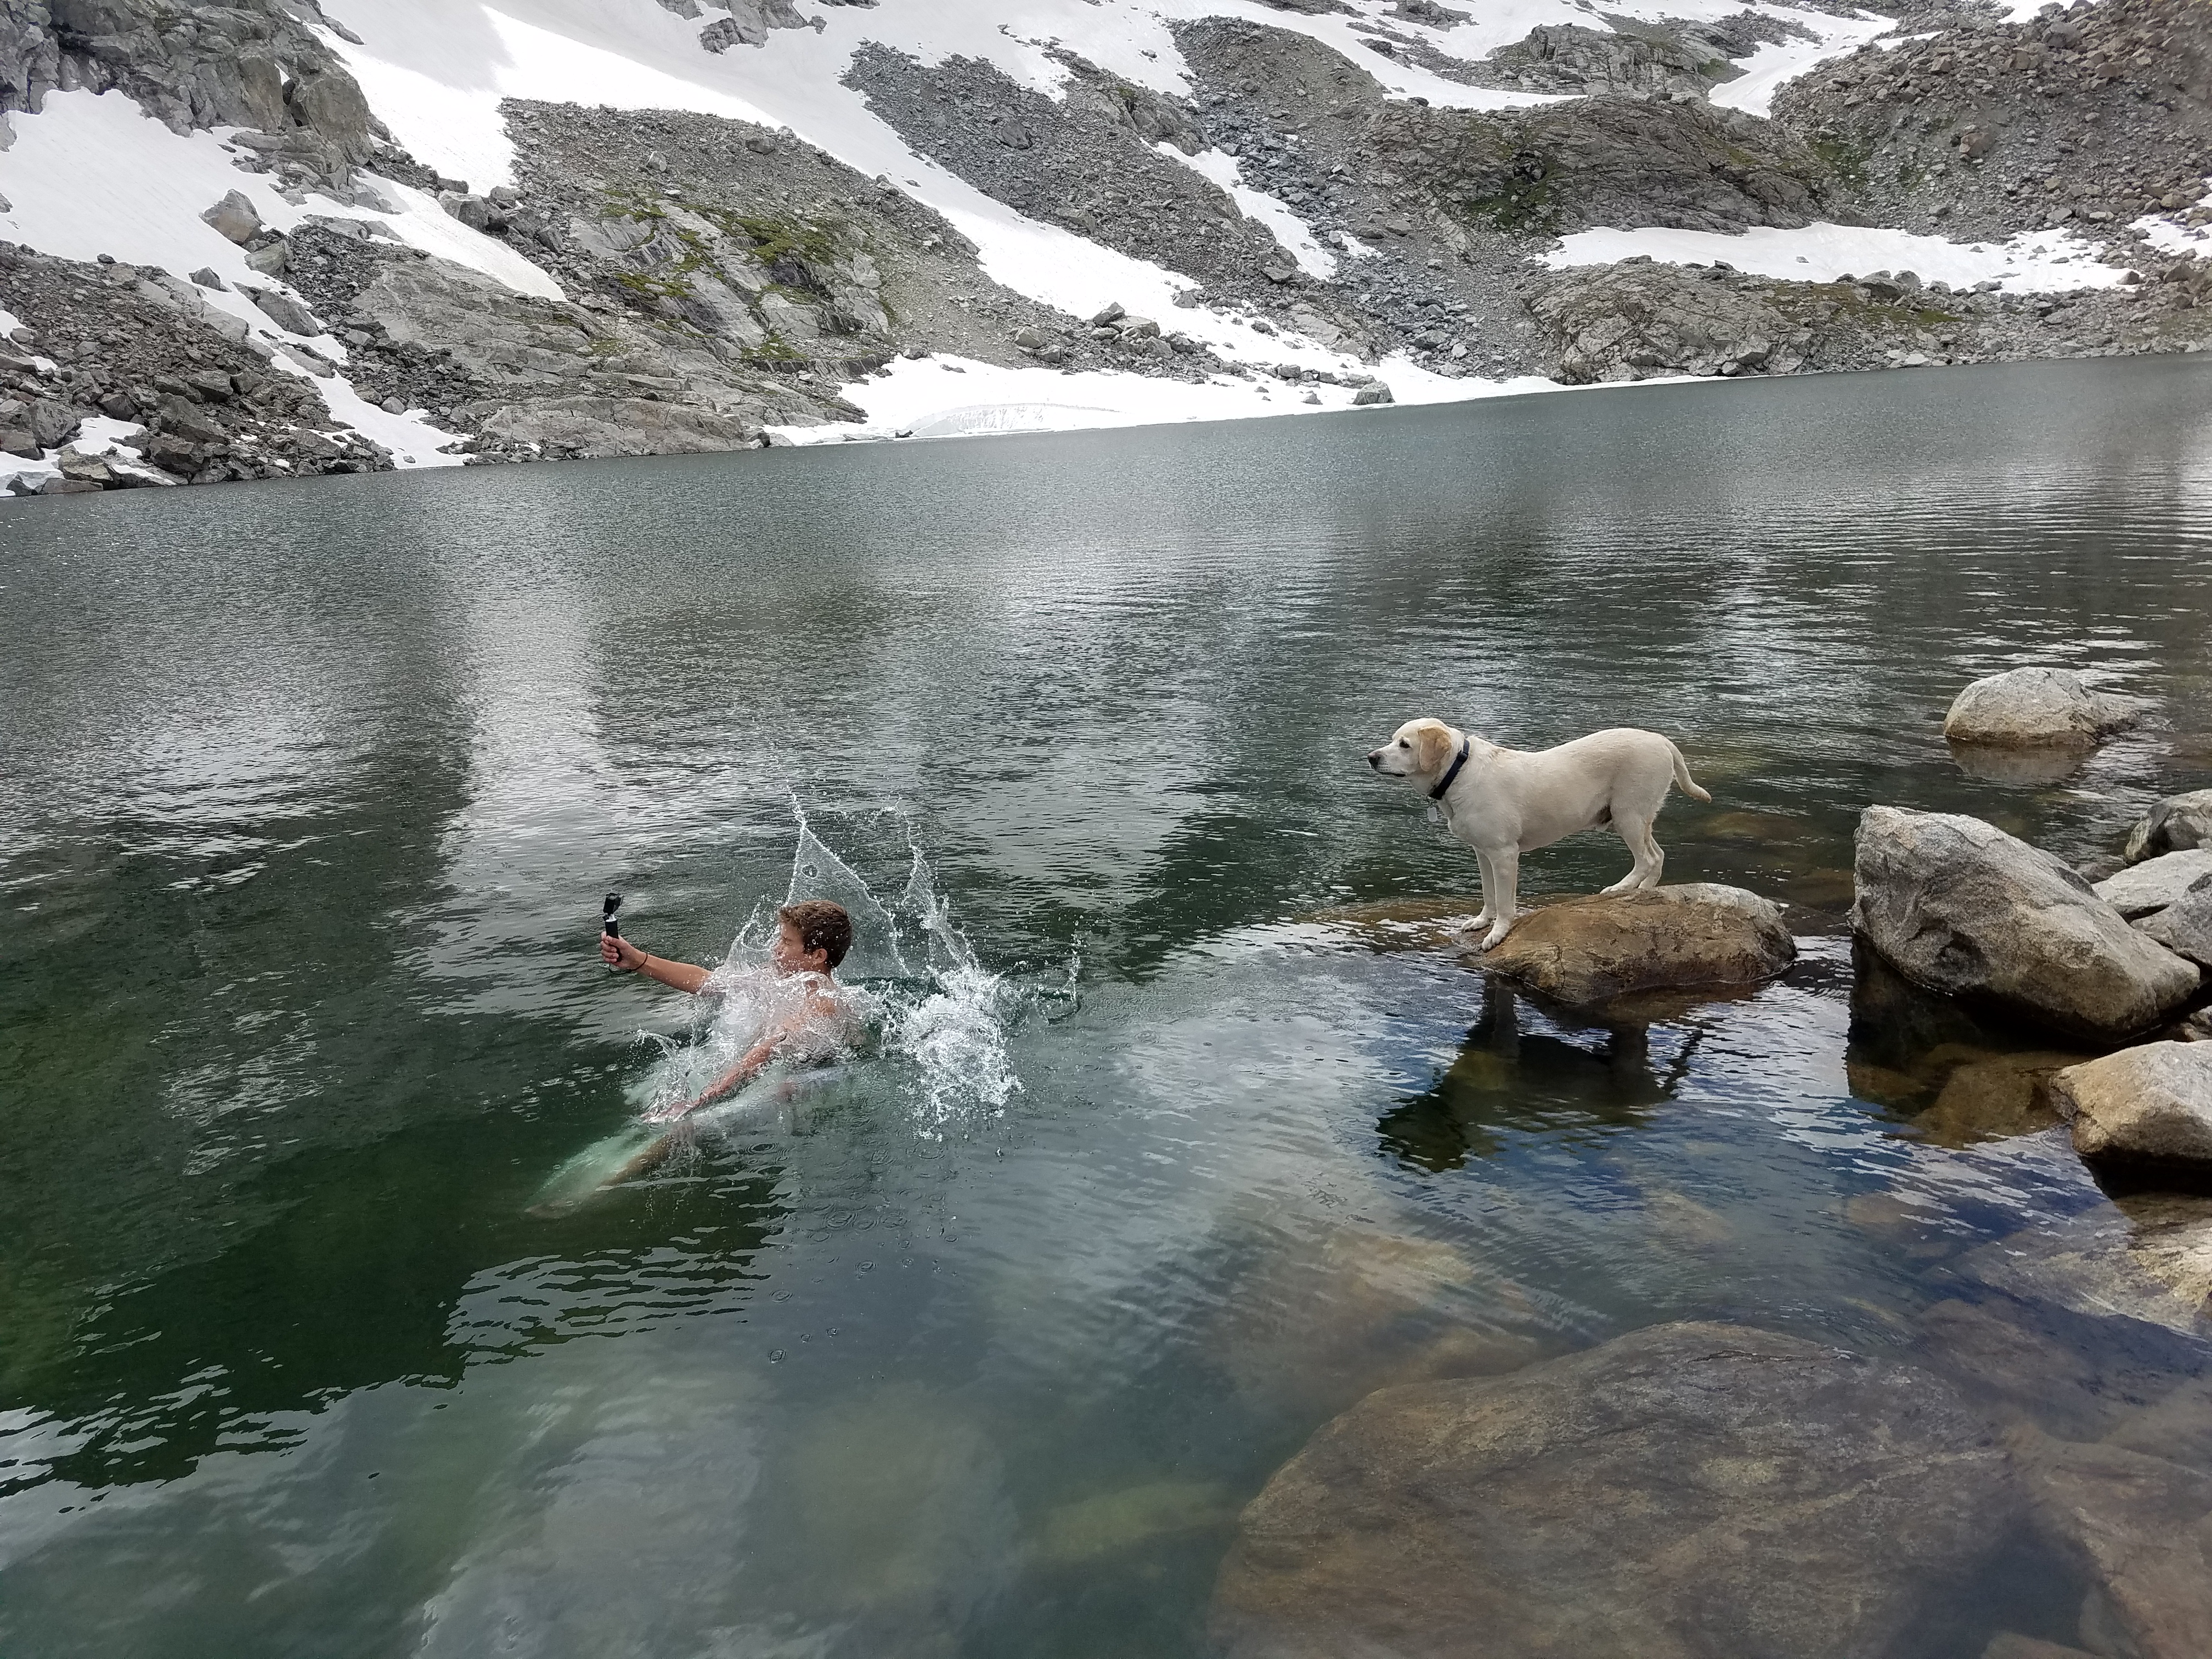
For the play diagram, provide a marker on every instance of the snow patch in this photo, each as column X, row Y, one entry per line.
column 2047, row 261
column 1767, row 70
column 957, row 396
column 91, row 173
column 1281, row 220
column 2166, row 235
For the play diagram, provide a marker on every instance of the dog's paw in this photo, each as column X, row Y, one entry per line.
column 1497, row 932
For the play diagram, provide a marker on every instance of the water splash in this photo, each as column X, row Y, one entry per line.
column 924, row 1011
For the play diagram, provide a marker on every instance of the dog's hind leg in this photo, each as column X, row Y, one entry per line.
column 1651, row 859
column 1501, row 897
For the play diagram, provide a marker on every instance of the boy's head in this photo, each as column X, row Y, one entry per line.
column 811, row 937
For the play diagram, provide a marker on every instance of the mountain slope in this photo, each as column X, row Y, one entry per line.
column 415, row 231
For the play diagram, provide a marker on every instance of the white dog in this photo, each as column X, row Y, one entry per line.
column 1503, row 803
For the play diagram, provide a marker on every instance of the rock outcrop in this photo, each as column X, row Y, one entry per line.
column 1692, row 1490
column 1589, row 950
column 2027, row 706
column 1958, row 906
column 2147, row 1105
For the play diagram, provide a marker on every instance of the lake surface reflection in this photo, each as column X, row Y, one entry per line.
column 315, row 790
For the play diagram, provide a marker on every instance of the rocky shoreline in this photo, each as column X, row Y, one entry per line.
column 1707, row 1489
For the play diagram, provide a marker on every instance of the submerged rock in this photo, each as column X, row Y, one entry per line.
column 2143, row 1261
column 2147, row 1105
column 1958, row 906
column 2176, row 824
column 2142, row 1527
column 1690, row 1490
column 2034, row 706
column 1989, row 1099
column 1588, row 950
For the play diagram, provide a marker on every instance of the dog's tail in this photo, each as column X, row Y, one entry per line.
column 1682, row 778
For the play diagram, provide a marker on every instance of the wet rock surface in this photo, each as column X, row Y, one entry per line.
column 2146, row 1105
column 1960, row 908
column 1591, row 950
column 1688, row 1490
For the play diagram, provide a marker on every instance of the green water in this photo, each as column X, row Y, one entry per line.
column 313, row 791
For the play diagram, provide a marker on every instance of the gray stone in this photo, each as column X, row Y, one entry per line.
column 1958, row 907
column 52, row 423
column 1373, row 393
column 2185, row 927
column 16, row 441
column 287, row 313
column 1592, row 949
column 2140, row 889
column 2151, row 1104
column 2032, row 705
column 270, row 257
column 207, row 278
column 59, row 485
column 1696, row 1491
column 2175, row 825
column 236, row 216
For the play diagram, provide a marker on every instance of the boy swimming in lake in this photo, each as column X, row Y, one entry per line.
column 807, row 1015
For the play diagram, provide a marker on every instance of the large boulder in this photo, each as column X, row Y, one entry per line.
column 2147, row 1105
column 2140, row 889
column 1686, row 1492
column 2176, row 823
column 236, row 216
column 1958, row 906
column 1589, row 950
column 2032, row 705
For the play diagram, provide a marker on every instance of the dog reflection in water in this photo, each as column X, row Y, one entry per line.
column 1509, row 1079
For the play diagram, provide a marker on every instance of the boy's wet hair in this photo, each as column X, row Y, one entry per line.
column 821, row 925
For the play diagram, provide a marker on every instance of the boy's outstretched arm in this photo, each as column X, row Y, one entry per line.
column 676, row 976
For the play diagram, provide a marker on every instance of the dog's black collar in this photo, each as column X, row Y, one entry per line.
column 1458, row 760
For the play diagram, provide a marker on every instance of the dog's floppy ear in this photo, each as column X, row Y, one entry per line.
column 1433, row 744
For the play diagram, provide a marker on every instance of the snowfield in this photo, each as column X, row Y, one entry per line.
column 2049, row 261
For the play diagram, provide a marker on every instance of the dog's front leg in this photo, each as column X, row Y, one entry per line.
column 1484, row 916
column 1501, row 897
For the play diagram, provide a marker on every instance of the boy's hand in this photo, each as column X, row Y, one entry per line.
column 620, row 954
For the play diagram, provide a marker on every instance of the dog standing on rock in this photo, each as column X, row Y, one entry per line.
column 1503, row 802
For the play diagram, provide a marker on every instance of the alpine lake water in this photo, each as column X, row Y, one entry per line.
column 1170, row 1149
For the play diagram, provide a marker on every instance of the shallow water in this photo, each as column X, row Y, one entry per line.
column 315, row 790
